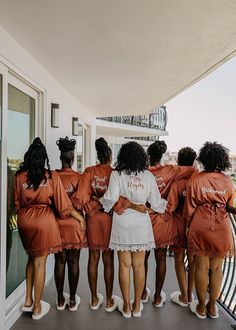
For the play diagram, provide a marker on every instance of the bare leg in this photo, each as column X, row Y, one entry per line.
column 93, row 261
column 29, row 282
column 59, row 275
column 160, row 256
column 215, row 280
column 191, row 274
column 72, row 257
column 39, row 281
column 181, row 276
column 144, row 294
column 108, row 262
column 125, row 262
column 202, row 265
column 139, row 277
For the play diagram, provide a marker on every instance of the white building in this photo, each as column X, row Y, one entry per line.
column 92, row 59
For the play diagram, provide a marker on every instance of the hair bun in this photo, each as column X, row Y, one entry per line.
column 101, row 144
column 37, row 142
column 161, row 145
column 66, row 144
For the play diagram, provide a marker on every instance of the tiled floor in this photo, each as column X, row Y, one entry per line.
column 167, row 318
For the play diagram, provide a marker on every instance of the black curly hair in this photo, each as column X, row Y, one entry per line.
column 67, row 147
column 214, row 157
column 34, row 163
column 103, row 151
column 186, row 156
column 131, row 159
column 155, row 151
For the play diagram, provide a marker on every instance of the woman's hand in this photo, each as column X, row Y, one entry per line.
column 82, row 224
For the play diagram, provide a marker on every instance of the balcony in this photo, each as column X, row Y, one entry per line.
column 169, row 317
column 145, row 127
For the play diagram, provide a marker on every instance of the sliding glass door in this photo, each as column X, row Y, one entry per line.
column 21, row 113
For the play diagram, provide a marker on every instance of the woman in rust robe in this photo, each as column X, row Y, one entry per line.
column 36, row 190
column 73, row 234
column 210, row 236
column 165, row 232
column 94, row 185
column 176, row 198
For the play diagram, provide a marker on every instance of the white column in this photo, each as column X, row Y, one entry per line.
column 91, row 149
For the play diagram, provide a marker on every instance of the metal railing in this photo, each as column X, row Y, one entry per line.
column 227, row 298
column 155, row 120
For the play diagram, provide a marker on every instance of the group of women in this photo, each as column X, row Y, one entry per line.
column 137, row 206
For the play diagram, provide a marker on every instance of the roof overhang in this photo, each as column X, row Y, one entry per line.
column 124, row 57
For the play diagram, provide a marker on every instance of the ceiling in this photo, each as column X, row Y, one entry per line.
column 124, row 56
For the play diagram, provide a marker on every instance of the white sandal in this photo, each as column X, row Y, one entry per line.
column 77, row 303
column 62, row 308
column 45, row 307
column 144, row 301
column 121, row 309
column 216, row 316
column 27, row 308
column 174, row 297
column 163, row 299
column 138, row 314
column 193, row 308
column 100, row 302
column 116, row 300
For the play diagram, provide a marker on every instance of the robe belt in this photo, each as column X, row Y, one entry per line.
column 217, row 212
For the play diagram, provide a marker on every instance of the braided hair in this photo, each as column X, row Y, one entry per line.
column 34, row 164
column 103, row 151
column 66, row 147
column 155, row 151
column 214, row 157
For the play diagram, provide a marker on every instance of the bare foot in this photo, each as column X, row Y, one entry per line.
column 37, row 309
column 211, row 309
column 127, row 308
column 157, row 299
column 183, row 299
column 28, row 302
column 136, row 307
column 110, row 303
column 60, row 301
column 94, row 301
column 201, row 310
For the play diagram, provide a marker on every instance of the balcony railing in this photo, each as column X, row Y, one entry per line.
column 155, row 120
column 227, row 297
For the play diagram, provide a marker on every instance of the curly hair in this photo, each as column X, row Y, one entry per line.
column 103, row 150
column 34, row 164
column 214, row 157
column 155, row 151
column 131, row 159
column 186, row 156
column 67, row 147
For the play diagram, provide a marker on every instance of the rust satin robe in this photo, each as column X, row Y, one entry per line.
column 37, row 223
column 95, row 183
column 210, row 231
column 72, row 236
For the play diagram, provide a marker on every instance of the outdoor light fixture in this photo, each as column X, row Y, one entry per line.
column 54, row 115
column 75, row 126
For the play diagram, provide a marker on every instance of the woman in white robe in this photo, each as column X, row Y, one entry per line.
column 132, row 233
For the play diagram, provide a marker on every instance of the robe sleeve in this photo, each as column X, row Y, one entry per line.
column 173, row 198
column 112, row 194
column 158, row 204
column 17, row 202
column 232, row 196
column 190, row 201
column 183, row 172
column 62, row 201
column 83, row 194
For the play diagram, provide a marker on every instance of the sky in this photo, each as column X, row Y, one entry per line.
column 205, row 112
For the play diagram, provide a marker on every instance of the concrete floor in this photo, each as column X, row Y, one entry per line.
column 169, row 317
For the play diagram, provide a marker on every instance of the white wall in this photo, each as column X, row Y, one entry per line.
column 20, row 61
column 15, row 59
